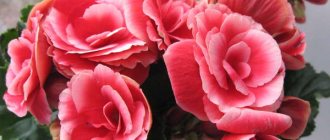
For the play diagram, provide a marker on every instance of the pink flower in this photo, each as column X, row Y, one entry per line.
column 231, row 63
column 28, row 70
column 299, row 111
column 164, row 21
column 277, row 17
column 102, row 104
column 87, row 33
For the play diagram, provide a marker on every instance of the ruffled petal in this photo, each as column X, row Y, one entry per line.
column 182, row 67
column 253, row 121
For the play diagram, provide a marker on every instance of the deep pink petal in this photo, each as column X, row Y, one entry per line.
column 67, row 114
column 139, row 96
column 83, row 88
column 136, row 20
column 249, row 137
column 139, row 73
column 42, row 60
column 124, row 111
column 235, row 24
column 216, row 51
column 39, row 107
column 84, row 132
column 105, row 76
column 292, row 44
column 182, row 67
column 299, row 110
column 212, row 111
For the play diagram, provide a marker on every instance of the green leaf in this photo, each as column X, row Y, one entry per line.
column 25, row 12
column 26, row 128
column 19, row 130
column 307, row 84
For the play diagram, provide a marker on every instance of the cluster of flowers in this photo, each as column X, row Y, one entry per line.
column 226, row 60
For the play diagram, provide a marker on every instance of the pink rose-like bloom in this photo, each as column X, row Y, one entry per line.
column 231, row 63
column 86, row 33
column 28, row 70
column 164, row 20
column 102, row 104
column 277, row 18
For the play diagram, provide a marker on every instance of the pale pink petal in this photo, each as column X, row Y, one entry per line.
column 269, row 93
column 265, row 59
column 15, row 104
column 212, row 111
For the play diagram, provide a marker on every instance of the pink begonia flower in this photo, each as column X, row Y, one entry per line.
column 277, row 17
column 102, row 104
column 91, row 32
column 28, row 70
column 299, row 111
column 231, row 63
column 160, row 21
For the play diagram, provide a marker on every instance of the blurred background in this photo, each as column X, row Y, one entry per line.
column 317, row 29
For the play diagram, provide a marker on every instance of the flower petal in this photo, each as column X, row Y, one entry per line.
column 253, row 121
column 182, row 67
